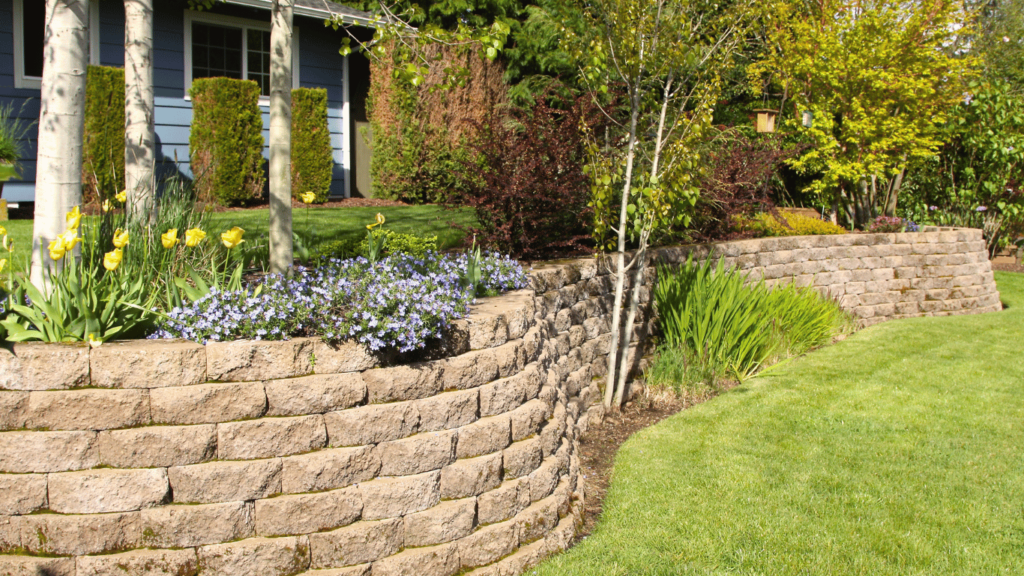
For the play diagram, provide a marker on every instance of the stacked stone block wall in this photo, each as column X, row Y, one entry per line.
column 299, row 457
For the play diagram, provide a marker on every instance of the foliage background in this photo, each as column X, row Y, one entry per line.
column 103, row 146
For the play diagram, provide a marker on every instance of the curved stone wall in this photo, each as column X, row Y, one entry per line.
column 281, row 458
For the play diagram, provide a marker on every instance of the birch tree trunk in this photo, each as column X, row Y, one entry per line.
column 281, row 136
column 139, row 133
column 61, row 123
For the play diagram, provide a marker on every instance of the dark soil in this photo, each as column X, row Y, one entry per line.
column 344, row 203
column 1007, row 267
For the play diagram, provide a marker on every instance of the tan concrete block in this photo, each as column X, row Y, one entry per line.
column 485, row 436
column 511, row 357
column 528, row 418
column 469, row 370
column 356, row 544
column 372, row 424
column 141, row 563
column 448, row 410
column 336, row 358
column 440, row 560
column 270, row 437
column 263, row 556
column 77, row 535
column 22, row 493
column 88, row 409
column 107, row 490
column 13, row 406
column 419, row 453
column 208, row 403
column 487, row 329
column 488, row 544
column 398, row 383
column 544, row 479
column 471, row 476
column 361, row 570
column 537, row 520
column 504, row 502
column 518, row 563
column 252, row 360
column 394, row 497
column 304, row 513
column 148, row 364
column 509, row 393
column 314, row 394
column 158, row 446
column 523, row 457
column 445, row 522
column 32, row 566
column 47, row 451
column 187, row 526
column 10, row 535
column 328, row 469
column 44, row 366
column 225, row 481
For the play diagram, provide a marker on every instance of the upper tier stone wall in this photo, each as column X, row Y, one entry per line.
column 299, row 457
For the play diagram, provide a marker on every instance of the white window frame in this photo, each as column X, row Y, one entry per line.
column 18, row 27
column 234, row 22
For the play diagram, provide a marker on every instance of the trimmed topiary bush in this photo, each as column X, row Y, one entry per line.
column 103, row 145
column 312, row 160
column 226, row 142
column 792, row 224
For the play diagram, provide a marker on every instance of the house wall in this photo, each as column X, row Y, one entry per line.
column 320, row 66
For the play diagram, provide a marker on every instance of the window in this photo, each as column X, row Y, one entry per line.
column 231, row 47
column 29, row 30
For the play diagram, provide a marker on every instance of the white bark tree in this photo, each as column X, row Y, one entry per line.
column 139, row 132
column 281, row 257
column 61, row 124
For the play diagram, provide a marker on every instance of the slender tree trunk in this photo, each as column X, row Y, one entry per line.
column 894, row 192
column 61, row 122
column 139, row 133
column 281, row 257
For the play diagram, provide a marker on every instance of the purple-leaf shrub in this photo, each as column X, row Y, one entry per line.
column 884, row 224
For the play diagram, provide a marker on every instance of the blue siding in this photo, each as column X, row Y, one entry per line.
column 320, row 65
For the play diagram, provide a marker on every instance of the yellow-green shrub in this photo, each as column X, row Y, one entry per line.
column 794, row 225
column 103, row 144
column 312, row 160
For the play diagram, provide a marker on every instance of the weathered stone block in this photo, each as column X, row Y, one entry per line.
column 195, row 525
column 88, row 409
column 361, row 570
column 328, row 469
column 445, row 522
column 77, row 535
column 504, row 502
column 107, row 490
column 528, row 418
column 141, row 563
column 356, row 544
column 487, row 326
column 303, row 513
column 148, row 364
column 470, row 370
column 471, row 477
column 342, row 357
column 523, row 457
column 12, row 409
column 372, row 424
column 314, row 394
column 263, row 556
column 47, row 451
column 394, row 497
column 544, row 479
column 448, row 410
column 433, row 561
column 225, row 481
column 22, row 493
column 270, row 437
column 158, row 446
column 44, row 366
column 208, row 403
column 10, row 534
column 537, row 520
column 31, row 566
column 509, row 393
column 488, row 544
column 252, row 360
column 420, row 453
column 485, row 436
column 402, row 383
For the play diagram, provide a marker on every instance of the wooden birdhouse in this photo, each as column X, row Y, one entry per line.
column 765, row 120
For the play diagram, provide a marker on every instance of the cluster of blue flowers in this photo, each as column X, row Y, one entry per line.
column 398, row 303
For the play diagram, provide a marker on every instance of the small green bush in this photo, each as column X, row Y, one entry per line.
column 793, row 224
column 312, row 160
column 103, row 145
column 394, row 243
column 226, row 142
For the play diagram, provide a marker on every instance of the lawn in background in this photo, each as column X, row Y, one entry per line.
column 895, row 452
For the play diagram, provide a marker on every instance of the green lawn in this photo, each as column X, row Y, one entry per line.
column 899, row 451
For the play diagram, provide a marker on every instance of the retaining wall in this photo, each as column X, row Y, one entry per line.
column 281, row 458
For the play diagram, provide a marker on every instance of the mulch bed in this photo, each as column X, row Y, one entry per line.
column 1008, row 267
column 344, row 203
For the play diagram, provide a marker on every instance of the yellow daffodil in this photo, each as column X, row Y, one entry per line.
column 3, row 264
column 380, row 220
column 112, row 259
column 308, row 197
column 70, row 239
column 193, row 237
column 8, row 243
column 57, row 248
column 122, row 196
column 107, row 205
column 74, row 218
column 232, row 237
column 169, row 238
column 3, row 231
column 94, row 342
column 120, row 238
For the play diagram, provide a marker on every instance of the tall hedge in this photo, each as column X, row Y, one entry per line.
column 226, row 142
column 312, row 160
column 103, row 145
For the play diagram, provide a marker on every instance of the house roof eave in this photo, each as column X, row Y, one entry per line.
column 323, row 9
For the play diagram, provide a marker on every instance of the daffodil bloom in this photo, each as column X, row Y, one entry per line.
column 232, row 237
column 122, row 196
column 74, row 218
column 3, row 264
column 112, row 259
column 169, row 238
column 308, row 197
column 3, row 231
column 57, row 248
column 8, row 244
column 380, row 220
column 70, row 239
column 94, row 342
column 193, row 236
column 120, row 238
column 107, row 206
